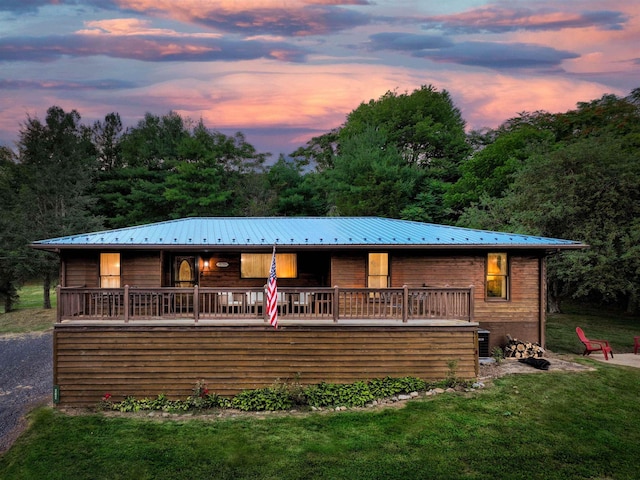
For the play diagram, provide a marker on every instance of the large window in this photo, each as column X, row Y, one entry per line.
column 378, row 271
column 110, row 270
column 258, row 265
column 497, row 276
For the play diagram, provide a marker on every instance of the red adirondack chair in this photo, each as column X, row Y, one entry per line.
column 594, row 345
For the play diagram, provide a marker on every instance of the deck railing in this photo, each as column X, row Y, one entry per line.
column 131, row 303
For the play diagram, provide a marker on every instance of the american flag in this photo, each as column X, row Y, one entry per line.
column 272, row 293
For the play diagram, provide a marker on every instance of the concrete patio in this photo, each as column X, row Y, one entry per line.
column 626, row 359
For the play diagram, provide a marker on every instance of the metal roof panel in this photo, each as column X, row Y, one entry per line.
column 300, row 231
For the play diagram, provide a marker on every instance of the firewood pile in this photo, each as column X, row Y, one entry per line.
column 517, row 349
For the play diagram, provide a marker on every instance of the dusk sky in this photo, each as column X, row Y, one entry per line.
column 283, row 71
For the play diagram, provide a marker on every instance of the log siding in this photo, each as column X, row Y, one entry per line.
column 146, row 361
column 520, row 316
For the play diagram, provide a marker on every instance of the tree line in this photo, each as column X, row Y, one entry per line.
column 572, row 175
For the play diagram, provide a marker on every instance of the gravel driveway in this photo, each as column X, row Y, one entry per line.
column 25, row 380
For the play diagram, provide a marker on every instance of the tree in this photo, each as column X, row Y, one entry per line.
column 169, row 169
column 243, row 174
column 56, row 164
column 319, row 151
column 370, row 177
column 490, row 170
column 580, row 181
column 134, row 192
column 609, row 115
column 106, row 139
column 590, row 191
column 214, row 174
column 196, row 185
column 11, row 241
column 424, row 126
column 423, row 129
column 293, row 192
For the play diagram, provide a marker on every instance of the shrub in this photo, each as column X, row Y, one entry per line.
column 279, row 396
column 332, row 395
column 269, row 398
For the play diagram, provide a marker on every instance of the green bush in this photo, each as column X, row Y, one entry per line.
column 334, row 395
column 268, row 398
column 279, row 396
column 393, row 386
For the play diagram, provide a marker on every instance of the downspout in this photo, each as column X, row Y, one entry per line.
column 542, row 288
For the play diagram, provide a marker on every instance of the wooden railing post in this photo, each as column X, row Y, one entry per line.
column 58, row 305
column 336, row 299
column 265, row 314
column 126, row 304
column 471, row 302
column 405, row 303
column 196, row 303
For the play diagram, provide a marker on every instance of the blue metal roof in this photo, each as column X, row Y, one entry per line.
column 208, row 232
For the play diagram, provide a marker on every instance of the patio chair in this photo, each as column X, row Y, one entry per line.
column 594, row 345
column 232, row 302
column 256, row 301
column 301, row 302
column 636, row 345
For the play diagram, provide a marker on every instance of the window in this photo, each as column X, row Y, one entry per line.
column 258, row 265
column 378, row 276
column 110, row 270
column 497, row 276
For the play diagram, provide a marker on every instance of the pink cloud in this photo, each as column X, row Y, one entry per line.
column 500, row 19
column 274, row 17
column 134, row 27
column 502, row 97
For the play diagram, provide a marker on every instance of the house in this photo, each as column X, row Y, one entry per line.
column 154, row 308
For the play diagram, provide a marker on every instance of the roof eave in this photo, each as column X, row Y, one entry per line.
column 391, row 246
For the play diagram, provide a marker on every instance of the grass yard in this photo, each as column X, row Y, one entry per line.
column 538, row 426
column 607, row 324
column 29, row 315
column 548, row 425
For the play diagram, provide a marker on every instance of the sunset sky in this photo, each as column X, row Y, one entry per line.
column 283, row 71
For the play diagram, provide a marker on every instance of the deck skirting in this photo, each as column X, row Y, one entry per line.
column 147, row 360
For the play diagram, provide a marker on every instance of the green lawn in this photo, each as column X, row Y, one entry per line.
column 548, row 426
column 597, row 322
column 29, row 315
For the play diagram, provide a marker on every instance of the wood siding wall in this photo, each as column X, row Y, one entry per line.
column 349, row 270
column 80, row 269
column 141, row 269
column 147, row 361
column 519, row 316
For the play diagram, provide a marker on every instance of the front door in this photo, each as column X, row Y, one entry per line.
column 185, row 272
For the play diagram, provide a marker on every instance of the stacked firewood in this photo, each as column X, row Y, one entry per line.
column 517, row 349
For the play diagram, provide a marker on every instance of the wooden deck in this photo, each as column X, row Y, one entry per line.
column 318, row 304
column 150, row 341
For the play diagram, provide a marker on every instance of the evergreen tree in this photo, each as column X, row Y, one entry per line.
column 370, row 177
column 11, row 241
column 56, row 163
